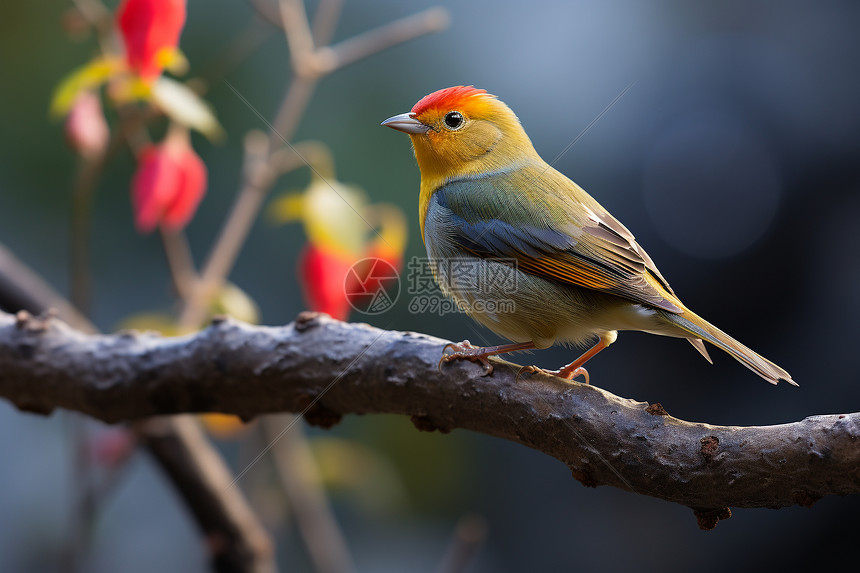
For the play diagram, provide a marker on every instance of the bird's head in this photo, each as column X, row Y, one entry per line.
column 462, row 131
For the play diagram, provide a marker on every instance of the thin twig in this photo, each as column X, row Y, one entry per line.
column 83, row 510
column 178, row 255
column 86, row 179
column 374, row 41
column 291, row 111
column 258, row 178
column 299, row 475
column 93, row 11
column 267, row 11
column 91, row 494
column 223, row 255
column 132, row 126
column 235, row 538
column 325, row 21
column 469, row 535
column 294, row 19
column 100, row 18
column 23, row 289
column 313, row 153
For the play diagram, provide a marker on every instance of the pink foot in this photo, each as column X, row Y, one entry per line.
column 465, row 351
column 564, row 373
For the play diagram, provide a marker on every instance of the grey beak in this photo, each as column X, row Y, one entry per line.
column 407, row 124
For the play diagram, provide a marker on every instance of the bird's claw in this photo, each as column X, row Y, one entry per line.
column 465, row 351
column 564, row 373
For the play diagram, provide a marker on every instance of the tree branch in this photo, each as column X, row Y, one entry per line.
column 310, row 64
column 236, row 540
column 20, row 287
column 324, row 369
column 331, row 58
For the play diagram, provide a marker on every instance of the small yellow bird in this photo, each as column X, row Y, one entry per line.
column 490, row 206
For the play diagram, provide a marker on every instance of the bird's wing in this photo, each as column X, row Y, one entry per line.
column 551, row 231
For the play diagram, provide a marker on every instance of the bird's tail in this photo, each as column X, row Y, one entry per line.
column 701, row 328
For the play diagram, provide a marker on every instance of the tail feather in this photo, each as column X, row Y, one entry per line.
column 700, row 346
column 702, row 329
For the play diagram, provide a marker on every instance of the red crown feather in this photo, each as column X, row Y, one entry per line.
column 448, row 98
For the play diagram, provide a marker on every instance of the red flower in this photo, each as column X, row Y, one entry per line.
column 148, row 27
column 168, row 185
column 87, row 131
column 322, row 273
column 112, row 447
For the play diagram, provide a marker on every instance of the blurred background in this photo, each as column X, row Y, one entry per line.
column 733, row 157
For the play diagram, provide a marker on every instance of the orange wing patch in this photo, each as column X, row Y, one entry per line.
column 570, row 271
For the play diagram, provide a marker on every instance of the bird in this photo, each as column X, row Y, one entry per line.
column 571, row 273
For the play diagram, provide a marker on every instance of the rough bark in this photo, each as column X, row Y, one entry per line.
column 324, row 369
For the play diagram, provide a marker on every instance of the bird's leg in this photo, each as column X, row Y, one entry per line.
column 465, row 351
column 575, row 368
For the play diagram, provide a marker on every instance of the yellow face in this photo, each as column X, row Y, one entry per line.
column 456, row 139
column 461, row 131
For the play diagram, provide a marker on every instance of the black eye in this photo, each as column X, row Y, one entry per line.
column 454, row 119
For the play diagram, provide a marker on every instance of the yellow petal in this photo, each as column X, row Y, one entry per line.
column 89, row 76
column 287, row 208
column 173, row 60
column 334, row 216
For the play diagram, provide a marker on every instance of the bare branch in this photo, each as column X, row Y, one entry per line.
column 179, row 259
column 83, row 190
column 364, row 45
column 324, row 369
column 294, row 20
column 21, row 288
column 179, row 446
column 234, row 537
column 325, row 21
column 100, row 18
column 469, row 535
column 310, row 63
column 300, row 477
